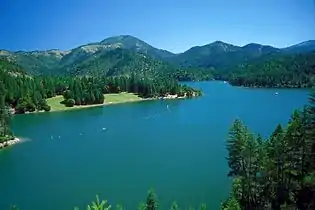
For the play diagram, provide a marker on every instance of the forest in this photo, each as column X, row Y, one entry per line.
column 5, row 118
column 274, row 173
column 26, row 93
column 289, row 71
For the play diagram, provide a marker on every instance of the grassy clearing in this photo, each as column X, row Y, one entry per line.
column 113, row 98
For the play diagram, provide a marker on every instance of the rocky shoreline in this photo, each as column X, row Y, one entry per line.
column 9, row 143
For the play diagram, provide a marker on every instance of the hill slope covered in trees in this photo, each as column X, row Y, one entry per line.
column 293, row 71
column 89, row 57
column 28, row 93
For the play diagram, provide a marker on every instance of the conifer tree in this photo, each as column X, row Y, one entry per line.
column 151, row 202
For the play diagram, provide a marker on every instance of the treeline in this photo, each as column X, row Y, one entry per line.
column 5, row 117
column 193, row 74
column 26, row 93
column 290, row 71
column 90, row 90
column 276, row 173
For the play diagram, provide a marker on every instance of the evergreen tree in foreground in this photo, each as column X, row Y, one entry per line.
column 277, row 173
column 151, row 202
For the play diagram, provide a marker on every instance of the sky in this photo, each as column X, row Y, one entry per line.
column 174, row 25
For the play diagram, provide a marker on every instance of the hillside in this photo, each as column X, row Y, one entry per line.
column 294, row 71
column 102, row 58
column 137, row 45
column 35, row 62
column 301, row 48
column 10, row 68
column 118, row 62
column 221, row 55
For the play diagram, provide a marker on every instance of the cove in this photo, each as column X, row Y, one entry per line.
column 176, row 147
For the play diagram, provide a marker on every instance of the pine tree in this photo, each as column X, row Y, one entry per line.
column 151, row 202
column 174, row 206
column 235, row 146
column 311, row 127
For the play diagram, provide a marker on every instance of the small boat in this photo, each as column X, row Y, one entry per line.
column 276, row 93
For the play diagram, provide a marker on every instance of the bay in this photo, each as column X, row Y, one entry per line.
column 176, row 147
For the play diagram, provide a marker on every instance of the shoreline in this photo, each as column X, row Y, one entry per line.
column 168, row 97
column 9, row 143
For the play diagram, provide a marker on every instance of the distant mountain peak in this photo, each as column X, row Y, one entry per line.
column 219, row 42
column 309, row 42
column 252, row 45
column 134, row 44
column 302, row 47
column 120, row 38
column 259, row 48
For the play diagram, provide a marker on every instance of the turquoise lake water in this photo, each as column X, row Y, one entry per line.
column 176, row 147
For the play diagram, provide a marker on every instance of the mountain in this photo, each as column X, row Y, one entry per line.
column 221, row 55
column 301, row 48
column 259, row 49
column 9, row 68
column 137, row 45
column 118, row 62
column 35, row 62
column 124, row 42
column 42, row 62
column 203, row 56
column 90, row 58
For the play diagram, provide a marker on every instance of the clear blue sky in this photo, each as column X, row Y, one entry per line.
column 174, row 25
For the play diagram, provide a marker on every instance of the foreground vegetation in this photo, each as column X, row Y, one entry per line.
column 276, row 173
column 151, row 203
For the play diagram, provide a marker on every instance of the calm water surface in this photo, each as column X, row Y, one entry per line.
column 179, row 149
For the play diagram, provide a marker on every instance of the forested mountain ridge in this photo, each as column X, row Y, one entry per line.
column 45, row 62
column 118, row 62
column 218, row 55
column 292, row 71
column 126, row 42
column 306, row 46
column 222, row 56
column 10, row 68
column 35, row 62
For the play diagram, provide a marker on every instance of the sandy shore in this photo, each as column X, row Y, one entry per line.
column 9, row 143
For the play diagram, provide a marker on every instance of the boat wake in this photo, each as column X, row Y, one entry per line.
column 24, row 139
column 151, row 117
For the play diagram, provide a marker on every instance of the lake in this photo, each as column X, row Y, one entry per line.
column 176, row 147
